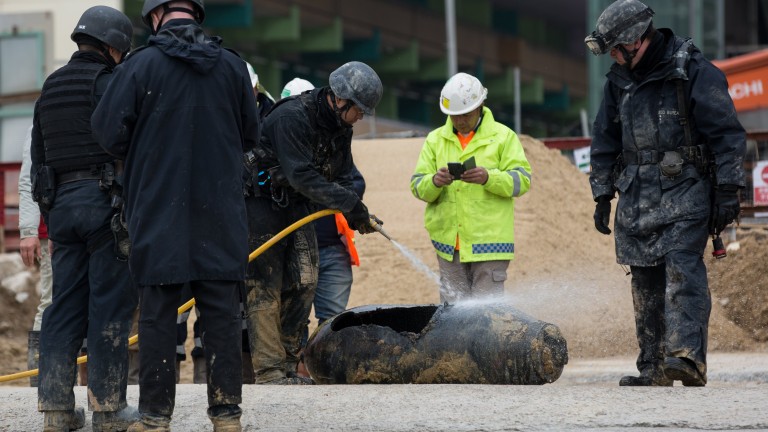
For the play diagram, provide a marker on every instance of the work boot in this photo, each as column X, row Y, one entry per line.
column 683, row 369
column 115, row 421
column 647, row 378
column 33, row 355
column 225, row 418
column 151, row 423
column 198, row 374
column 63, row 421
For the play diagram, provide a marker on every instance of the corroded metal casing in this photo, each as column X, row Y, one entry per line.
column 431, row 344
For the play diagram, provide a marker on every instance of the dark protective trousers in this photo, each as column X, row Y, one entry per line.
column 280, row 287
column 92, row 295
column 218, row 302
column 672, row 306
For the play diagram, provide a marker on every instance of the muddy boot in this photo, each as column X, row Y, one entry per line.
column 63, row 421
column 115, row 421
column 198, row 375
column 647, row 378
column 683, row 369
column 33, row 355
column 225, row 418
column 248, row 375
column 151, row 423
column 133, row 367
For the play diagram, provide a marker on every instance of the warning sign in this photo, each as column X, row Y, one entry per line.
column 760, row 182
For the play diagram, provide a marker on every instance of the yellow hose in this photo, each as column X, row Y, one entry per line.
column 186, row 306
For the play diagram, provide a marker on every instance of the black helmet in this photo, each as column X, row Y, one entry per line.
column 359, row 83
column 107, row 25
column 622, row 22
column 150, row 5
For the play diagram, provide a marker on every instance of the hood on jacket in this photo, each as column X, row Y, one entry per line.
column 185, row 40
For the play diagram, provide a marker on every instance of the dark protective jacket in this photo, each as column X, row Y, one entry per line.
column 325, row 228
column 656, row 213
column 313, row 149
column 61, row 137
column 181, row 112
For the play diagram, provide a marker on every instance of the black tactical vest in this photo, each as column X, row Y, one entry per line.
column 65, row 108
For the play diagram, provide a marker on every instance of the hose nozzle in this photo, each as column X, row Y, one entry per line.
column 374, row 221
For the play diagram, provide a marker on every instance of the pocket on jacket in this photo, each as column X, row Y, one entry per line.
column 689, row 172
column 625, row 179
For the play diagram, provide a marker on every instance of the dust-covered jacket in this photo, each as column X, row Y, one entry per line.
column 181, row 112
column 656, row 214
column 482, row 216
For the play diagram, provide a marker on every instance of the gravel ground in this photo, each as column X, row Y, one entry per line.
column 586, row 397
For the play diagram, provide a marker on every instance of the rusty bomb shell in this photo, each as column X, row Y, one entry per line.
column 430, row 344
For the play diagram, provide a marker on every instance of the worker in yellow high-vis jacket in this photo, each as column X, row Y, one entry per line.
column 469, row 172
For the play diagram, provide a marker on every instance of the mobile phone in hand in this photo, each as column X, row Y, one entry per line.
column 457, row 168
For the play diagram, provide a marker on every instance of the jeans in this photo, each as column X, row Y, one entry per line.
column 334, row 282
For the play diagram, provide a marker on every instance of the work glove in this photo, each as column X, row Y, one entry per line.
column 603, row 214
column 359, row 219
column 726, row 207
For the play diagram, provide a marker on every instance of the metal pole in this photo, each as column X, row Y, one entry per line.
column 584, row 123
column 720, row 13
column 450, row 30
column 518, row 122
column 692, row 27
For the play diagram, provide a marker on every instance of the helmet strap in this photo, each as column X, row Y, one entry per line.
column 339, row 111
column 629, row 56
column 108, row 56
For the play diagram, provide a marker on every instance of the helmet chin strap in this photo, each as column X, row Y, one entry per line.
column 340, row 111
column 629, row 56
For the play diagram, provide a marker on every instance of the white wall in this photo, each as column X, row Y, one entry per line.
column 65, row 14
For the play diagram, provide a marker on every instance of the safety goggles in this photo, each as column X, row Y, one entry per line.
column 599, row 43
column 596, row 43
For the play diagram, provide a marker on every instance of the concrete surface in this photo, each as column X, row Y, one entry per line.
column 586, row 397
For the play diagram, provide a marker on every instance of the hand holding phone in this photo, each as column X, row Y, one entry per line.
column 457, row 168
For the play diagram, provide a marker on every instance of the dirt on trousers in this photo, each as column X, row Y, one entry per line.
column 564, row 271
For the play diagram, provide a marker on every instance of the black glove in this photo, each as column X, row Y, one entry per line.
column 603, row 214
column 726, row 207
column 359, row 219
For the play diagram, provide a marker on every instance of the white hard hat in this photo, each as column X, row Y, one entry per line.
column 296, row 86
column 461, row 94
column 252, row 74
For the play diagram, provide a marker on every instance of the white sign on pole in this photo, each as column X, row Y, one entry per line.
column 581, row 158
column 760, row 183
